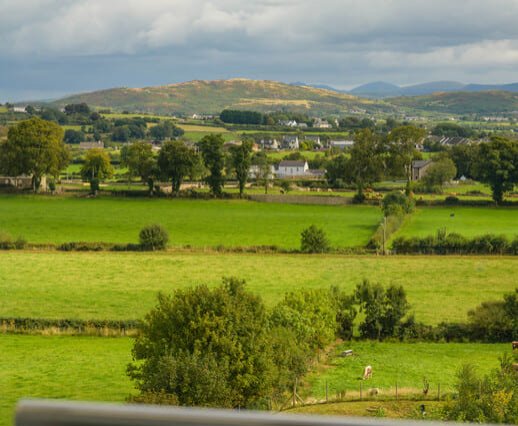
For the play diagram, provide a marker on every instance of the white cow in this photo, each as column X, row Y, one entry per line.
column 367, row 373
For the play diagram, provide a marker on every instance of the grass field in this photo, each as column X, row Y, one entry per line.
column 193, row 222
column 468, row 221
column 89, row 368
column 403, row 363
column 125, row 285
column 77, row 368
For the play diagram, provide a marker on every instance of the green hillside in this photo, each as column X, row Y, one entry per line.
column 486, row 102
column 210, row 97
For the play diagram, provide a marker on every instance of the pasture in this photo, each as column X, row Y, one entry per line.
column 403, row 363
column 77, row 368
column 124, row 285
column 467, row 221
column 198, row 223
column 90, row 368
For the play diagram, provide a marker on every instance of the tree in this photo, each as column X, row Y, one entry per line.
column 314, row 240
column 241, row 160
column 497, row 166
column 175, row 161
column 338, row 171
column 440, row 172
column 366, row 162
column 384, row 309
column 73, row 136
column 205, row 347
column 34, row 147
column 97, row 165
column 165, row 130
column 138, row 158
column 264, row 170
column 489, row 399
column 464, row 157
column 214, row 157
column 402, row 150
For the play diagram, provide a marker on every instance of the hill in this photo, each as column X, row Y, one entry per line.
column 377, row 89
column 211, row 97
column 482, row 102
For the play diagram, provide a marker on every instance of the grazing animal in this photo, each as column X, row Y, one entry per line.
column 367, row 373
column 515, row 345
column 374, row 392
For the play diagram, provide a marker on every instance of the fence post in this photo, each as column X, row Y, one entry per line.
column 360, row 391
column 396, row 392
column 439, row 392
column 326, row 392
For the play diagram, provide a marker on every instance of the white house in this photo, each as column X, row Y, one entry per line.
column 321, row 124
column 289, row 169
column 341, row 144
column 290, row 142
column 269, row 144
column 288, row 123
column 314, row 139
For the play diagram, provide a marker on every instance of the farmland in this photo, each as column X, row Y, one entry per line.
column 89, row 368
column 190, row 222
column 405, row 364
column 124, row 285
column 80, row 368
column 468, row 221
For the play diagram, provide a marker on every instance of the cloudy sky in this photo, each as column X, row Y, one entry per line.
column 49, row 48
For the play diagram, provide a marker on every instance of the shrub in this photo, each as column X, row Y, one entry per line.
column 8, row 243
column 153, row 237
column 397, row 203
column 451, row 200
column 314, row 240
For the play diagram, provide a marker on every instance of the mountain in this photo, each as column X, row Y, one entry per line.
column 432, row 87
column 317, row 86
column 377, row 89
column 481, row 102
column 512, row 87
column 211, row 97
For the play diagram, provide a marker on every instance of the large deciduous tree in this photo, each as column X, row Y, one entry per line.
column 401, row 144
column 205, row 347
column 97, row 165
column 366, row 164
column 241, row 157
column 214, row 157
column 34, row 147
column 497, row 166
column 175, row 161
column 138, row 158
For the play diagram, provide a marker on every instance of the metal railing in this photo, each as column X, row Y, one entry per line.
column 61, row 413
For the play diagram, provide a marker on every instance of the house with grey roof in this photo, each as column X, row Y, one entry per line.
column 419, row 168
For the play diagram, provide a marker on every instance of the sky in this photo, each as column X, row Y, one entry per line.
column 50, row 48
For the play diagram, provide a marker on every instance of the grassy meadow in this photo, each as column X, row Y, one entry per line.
column 77, row 368
column 93, row 368
column 403, row 363
column 468, row 221
column 197, row 223
column 124, row 285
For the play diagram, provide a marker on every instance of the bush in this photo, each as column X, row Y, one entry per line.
column 451, row 200
column 8, row 243
column 397, row 203
column 314, row 240
column 153, row 237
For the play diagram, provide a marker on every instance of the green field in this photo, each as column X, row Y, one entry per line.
column 77, row 368
column 468, row 221
column 124, row 285
column 190, row 222
column 403, row 363
column 90, row 368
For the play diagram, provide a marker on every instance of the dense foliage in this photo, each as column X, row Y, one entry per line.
column 153, row 237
